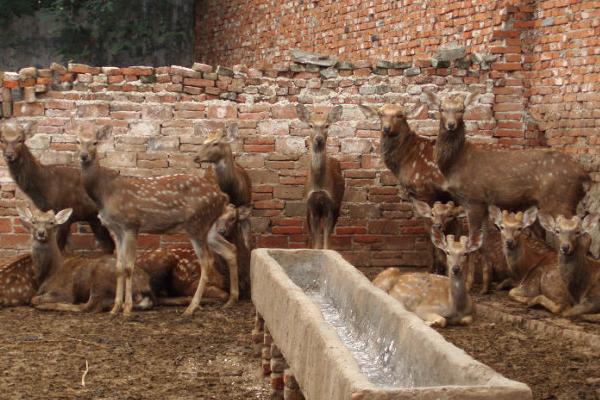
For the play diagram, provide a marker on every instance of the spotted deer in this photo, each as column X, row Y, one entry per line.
column 75, row 284
column 438, row 300
column 514, row 179
column 408, row 156
column 50, row 187
column 235, row 182
column 579, row 272
column 324, row 189
column 534, row 272
column 444, row 217
column 18, row 281
column 130, row 205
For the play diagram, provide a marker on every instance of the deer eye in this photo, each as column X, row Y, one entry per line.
column 95, row 143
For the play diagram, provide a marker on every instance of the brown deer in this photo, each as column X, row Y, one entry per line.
column 534, row 272
column 235, row 182
column 324, row 189
column 478, row 176
column 233, row 179
column 75, row 284
column 408, row 156
column 580, row 273
column 443, row 217
column 438, row 300
column 18, row 282
column 131, row 205
column 50, row 187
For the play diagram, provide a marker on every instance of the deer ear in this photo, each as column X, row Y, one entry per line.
column 438, row 239
column 368, row 111
column 244, row 212
column 590, row 223
column 28, row 128
column 25, row 216
column 433, row 98
column 63, row 216
column 547, row 221
column 469, row 99
column 495, row 215
column 530, row 216
column 232, row 131
column 303, row 113
column 103, row 132
column 335, row 115
column 422, row 208
column 476, row 243
column 460, row 212
column 415, row 112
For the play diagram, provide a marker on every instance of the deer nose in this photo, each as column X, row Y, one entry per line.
column 565, row 249
column 40, row 235
column 84, row 157
column 319, row 140
column 437, row 225
column 387, row 130
column 456, row 269
column 9, row 156
column 451, row 125
column 510, row 243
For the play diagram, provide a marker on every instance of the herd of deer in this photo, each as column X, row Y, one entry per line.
column 445, row 179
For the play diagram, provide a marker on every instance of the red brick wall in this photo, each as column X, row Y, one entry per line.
column 244, row 31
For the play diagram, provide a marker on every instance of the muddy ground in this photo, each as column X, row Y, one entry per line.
column 156, row 355
column 159, row 355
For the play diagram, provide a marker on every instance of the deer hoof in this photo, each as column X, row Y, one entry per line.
column 115, row 310
column 229, row 303
column 189, row 312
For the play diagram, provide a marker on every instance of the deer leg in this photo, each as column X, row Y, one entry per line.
column 476, row 216
column 314, row 224
column 129, row 255
column 327, row 230
column 545, row 302
column 246, row 231
column 202, row 252
column 505, row 284
column 486, row 275
column 517, row 295
column 62, row 235
column 120, row 275
column 102, row 236
column 59, row 307
column 467, row 320
column 470, row 276
column 581, row 308
column 432, row 319
column 227, row 250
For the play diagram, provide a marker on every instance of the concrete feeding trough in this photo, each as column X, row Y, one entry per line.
column 345, row 339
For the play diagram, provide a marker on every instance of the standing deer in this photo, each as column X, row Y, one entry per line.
column 438, row 300
column 50, row 187
column 132, row 205
column 235, row 182
column 532, row 263
column 18, row 281
column 75, row 284
column 511, row 179
column 324, row 189
column 408, row 156
column 580, row 274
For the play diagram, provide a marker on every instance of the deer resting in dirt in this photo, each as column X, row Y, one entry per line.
column 19, row 281
column 579, row 272
column 478, row 176
column 75, row 284
column 437, row 300
column 50, row 187
column 444, row 217
column 408, row 156
column 324, row 189
column 235, row 182
column 532, row 263
column 131, row 205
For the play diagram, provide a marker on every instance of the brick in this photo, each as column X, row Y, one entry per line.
column 92, row 110
column 222, row 112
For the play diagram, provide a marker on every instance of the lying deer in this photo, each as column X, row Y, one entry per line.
column 235, row 182
column 511, row 179
column 532, row 263
column 50, row 187
column 75, row 284
column 444, row 217
column 324, row 189
column 131, row 205
column 438, row 300
column 407, row 155
column 18, row 282
column 580, row 274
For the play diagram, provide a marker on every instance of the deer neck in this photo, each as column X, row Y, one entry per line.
column 515, row 255
column 573, row 269
column 459, row 297
column 225, row 170
column 318, row 167
column 448, row 146
column 396, row 145
column 47, row 259
column 97, row 180
column 29, row 176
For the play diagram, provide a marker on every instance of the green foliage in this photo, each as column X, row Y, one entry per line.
column 10, row 9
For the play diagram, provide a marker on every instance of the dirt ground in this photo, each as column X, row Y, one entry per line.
column 155, row 355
